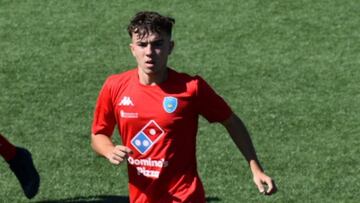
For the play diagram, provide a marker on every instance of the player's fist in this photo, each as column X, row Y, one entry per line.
column 264, row 184
column 118, row 154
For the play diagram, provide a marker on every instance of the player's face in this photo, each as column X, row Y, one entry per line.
column 151, row 52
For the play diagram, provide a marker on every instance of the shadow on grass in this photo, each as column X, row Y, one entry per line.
column 91, row 199
column 105, row 199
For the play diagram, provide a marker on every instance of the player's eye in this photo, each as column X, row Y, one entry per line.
column 142, row 44
column 158, row 43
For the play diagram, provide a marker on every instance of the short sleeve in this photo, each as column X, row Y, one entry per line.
column 209, row 104
column 104, row 119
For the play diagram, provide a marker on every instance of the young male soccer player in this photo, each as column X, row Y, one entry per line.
column 21, row 164
column 156, row 110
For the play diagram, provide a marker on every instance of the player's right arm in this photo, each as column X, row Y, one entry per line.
column 103, row 145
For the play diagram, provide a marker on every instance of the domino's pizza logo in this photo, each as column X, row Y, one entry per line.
column 147, row 137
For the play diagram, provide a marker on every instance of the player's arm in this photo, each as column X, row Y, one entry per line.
column 241, row 138
column 103, row 145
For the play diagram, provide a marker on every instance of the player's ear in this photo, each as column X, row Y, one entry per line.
column 131, row 46
column 172, row 45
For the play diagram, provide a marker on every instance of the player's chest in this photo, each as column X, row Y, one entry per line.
column 135, row 105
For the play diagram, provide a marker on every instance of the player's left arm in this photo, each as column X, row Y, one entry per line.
column 241, row 138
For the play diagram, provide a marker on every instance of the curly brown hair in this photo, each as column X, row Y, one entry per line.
column 146, row 22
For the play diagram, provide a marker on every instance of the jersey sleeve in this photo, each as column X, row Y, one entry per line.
column 104, row 118
column 209, row 104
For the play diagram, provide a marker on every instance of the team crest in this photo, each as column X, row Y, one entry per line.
column 170, row 104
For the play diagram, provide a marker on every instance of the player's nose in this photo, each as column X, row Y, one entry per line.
column 149, row 49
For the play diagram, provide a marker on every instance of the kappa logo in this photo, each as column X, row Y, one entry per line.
column 126, row 101
column 147, row 137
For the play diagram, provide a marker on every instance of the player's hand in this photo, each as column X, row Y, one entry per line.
column 119, row 154
column 264, row 183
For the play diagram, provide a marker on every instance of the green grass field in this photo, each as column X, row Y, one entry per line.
column 289, row 69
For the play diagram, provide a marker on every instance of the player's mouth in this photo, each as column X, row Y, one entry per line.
column 150, row 63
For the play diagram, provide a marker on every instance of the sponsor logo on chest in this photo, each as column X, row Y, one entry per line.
column 126, row 101
column 147, row 137
column 124, row 114
column 143, row 141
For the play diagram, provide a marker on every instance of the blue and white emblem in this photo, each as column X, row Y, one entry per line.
column 170, row 104
column 147, row 137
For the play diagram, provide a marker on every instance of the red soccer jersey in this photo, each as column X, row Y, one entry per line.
column 159, row 124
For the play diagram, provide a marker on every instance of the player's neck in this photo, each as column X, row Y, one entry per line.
column 152, row 78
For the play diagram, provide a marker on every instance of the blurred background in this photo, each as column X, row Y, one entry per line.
column 289, row 69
